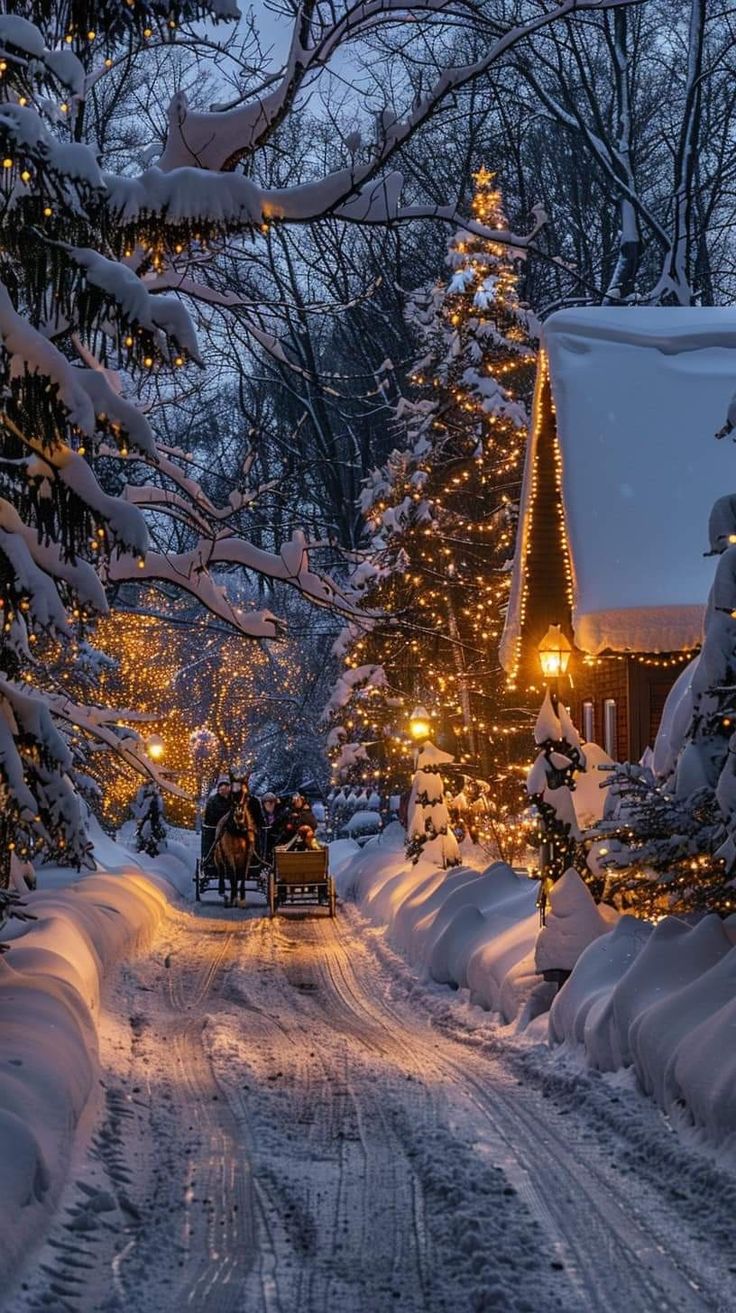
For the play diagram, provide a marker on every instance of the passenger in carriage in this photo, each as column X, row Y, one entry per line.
column 270, row 825
column 304, row 841
column 300, row 813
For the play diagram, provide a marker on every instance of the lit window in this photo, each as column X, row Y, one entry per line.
column 588, row 722
column 609, row 727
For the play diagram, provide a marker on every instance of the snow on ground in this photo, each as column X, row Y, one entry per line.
column 287, row 1121
column 50, row 985
column 658, row 1000
column 283, row 1117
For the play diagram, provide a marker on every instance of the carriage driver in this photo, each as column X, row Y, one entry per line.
column 218, row 805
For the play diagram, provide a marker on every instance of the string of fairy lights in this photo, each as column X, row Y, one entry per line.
column 181, row 676
column 448, row 583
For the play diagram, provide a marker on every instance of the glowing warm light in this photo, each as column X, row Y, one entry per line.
column 419, row 724
column 554, row 651
column 155, row 747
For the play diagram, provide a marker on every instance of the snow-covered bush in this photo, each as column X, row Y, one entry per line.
column 361, row 824
column 429, row 834
column 148, row 811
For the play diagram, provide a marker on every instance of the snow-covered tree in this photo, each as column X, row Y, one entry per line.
column 148, row 811
column 442, row 511
column 429, row 833
column 550, row 784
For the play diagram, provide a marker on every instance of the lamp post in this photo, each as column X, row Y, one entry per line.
column 555, row 650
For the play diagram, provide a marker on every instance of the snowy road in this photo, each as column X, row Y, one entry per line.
column 282, row 1127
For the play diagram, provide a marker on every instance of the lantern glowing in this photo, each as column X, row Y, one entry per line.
column 419, row 726
column 554, row 651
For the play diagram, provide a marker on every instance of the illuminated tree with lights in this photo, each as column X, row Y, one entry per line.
column 443, row 509
column 367, row 742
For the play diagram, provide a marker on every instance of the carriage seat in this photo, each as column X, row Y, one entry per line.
column 309, row 867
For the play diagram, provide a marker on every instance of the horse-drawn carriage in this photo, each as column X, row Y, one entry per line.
column 229, row 860
column 301, row 879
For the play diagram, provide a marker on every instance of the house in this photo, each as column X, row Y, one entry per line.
column 622, row 470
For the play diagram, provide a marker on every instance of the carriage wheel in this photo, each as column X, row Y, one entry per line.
column 333, row 898
column 272, row 896
column 197, row 890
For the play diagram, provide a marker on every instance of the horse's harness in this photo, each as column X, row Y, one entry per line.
column 240, row 820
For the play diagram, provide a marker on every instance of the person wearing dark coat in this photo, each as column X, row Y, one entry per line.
column 218, row 805
column 271, row 825
column 300, row 813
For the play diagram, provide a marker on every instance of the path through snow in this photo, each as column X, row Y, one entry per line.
column 281, row 1127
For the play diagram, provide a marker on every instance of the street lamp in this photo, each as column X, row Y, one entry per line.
column 419, row 726
column 555, row 650
column 155, row 747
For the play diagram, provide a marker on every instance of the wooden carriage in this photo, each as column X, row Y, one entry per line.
column 301, row 879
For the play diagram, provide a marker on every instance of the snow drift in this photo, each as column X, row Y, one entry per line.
column 50, row 986
column 659, row 999
column 662, row 1000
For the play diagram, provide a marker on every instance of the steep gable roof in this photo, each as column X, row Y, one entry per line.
column 639, row 395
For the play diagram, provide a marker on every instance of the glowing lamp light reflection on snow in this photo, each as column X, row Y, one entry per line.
column 419, row 726
column 155, row 747
column 554, row 651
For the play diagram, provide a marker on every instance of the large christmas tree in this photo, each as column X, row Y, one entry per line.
column 442, row 512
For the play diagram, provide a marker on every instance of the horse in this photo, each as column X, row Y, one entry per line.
column 234, row 843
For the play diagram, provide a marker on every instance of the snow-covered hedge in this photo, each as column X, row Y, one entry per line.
column 659, row 999
column 50, row 985
column 461, row 927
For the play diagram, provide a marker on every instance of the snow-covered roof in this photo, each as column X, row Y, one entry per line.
column 639, row 395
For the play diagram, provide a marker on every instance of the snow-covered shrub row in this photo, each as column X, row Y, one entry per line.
column 465, row 928
column 657, row 998
column 50, row 986
column 661, row 999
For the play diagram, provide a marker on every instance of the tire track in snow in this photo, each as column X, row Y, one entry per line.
column 614, row 1244
column 292, row 1132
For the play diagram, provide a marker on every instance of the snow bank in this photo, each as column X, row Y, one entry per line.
column 50, row 986
column 662, row 1000
column 573, row 922
column 461, row 927
column 658, row 999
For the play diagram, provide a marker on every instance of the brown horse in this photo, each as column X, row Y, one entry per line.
column 234, row 841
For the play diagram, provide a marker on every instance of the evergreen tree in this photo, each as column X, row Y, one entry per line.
column 84, row 332
column 148, row 810
column 429, row 834
column 443, row 509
